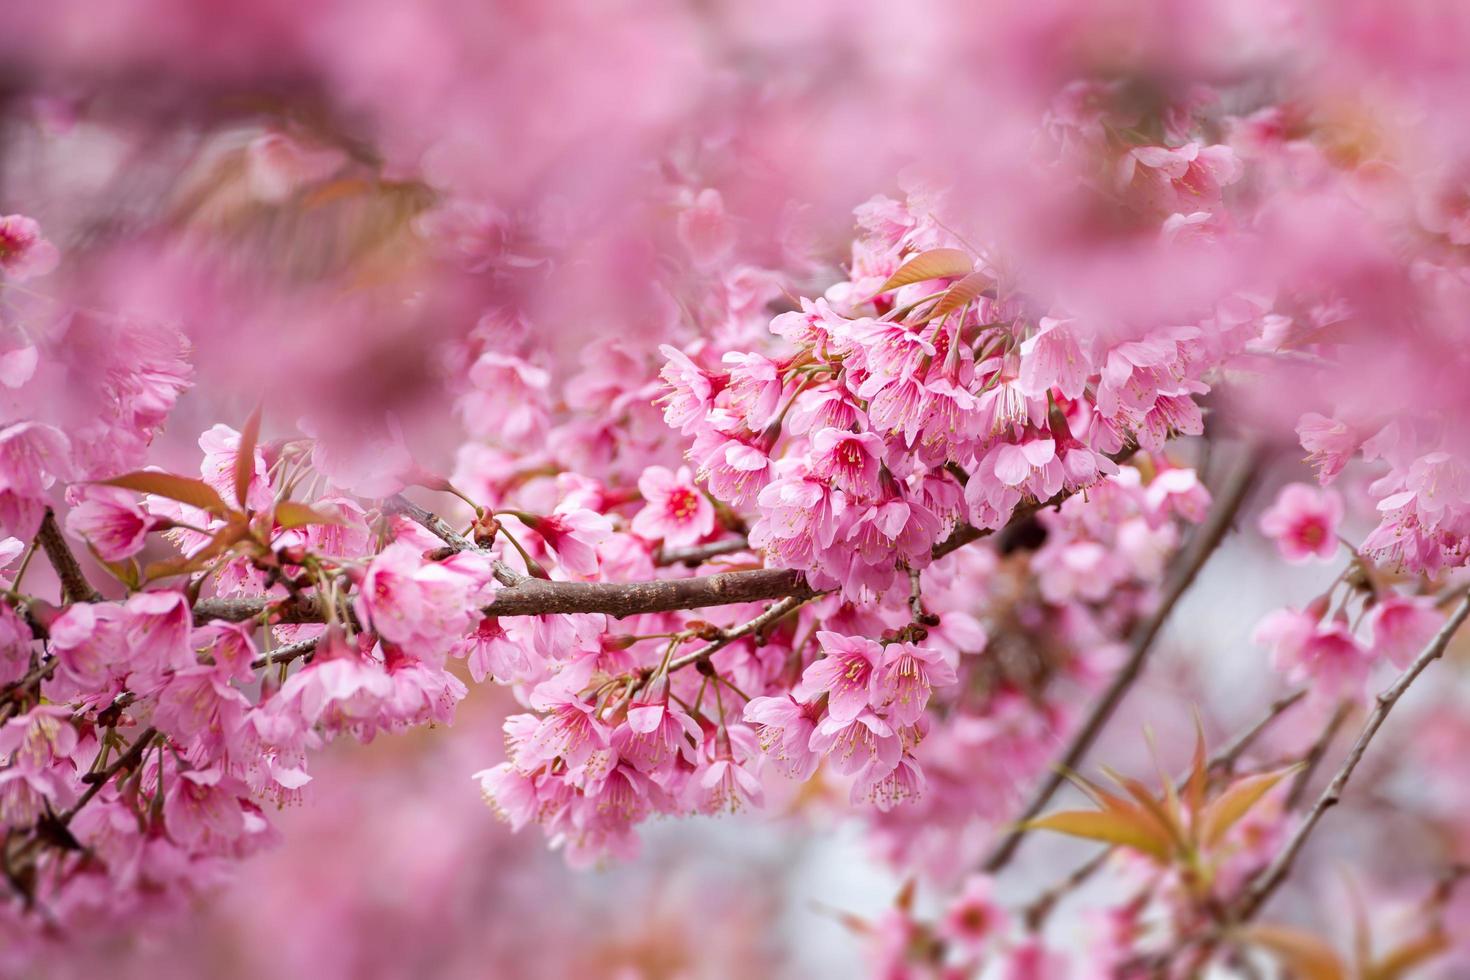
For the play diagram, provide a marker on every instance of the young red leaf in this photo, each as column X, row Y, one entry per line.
column 1133, row 830
column 938, row 263
column 961, row 294
column 186, row 490
column 1230, row 806
column 245, row 458
column 1306, row 956
column 290, row 514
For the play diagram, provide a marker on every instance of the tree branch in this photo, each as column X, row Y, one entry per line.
column 1201, row 548
column 1270, row 879
column 74, row 584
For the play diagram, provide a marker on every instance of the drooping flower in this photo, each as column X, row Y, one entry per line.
column 843, row 674
column 849, row 459
column 784, row 729
column 905, row 678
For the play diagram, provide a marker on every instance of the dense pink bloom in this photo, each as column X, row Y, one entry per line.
column 35, row 747
column 674, row 511
column 784, row 729
column 1303, row 522
column 692, row 390
column 24, row 254
column 203, row 809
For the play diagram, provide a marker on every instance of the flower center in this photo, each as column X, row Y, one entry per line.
column 683, row 502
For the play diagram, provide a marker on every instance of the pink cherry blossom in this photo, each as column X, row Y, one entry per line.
column 905, row 678
column 844, row 674
column 111, row 521
column 1401, row 626
column 24, row 254
column 1303, row 522
column 674, row 511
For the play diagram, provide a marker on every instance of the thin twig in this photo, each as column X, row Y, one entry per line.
column 287, row 653
column 726, row 637
column 1201, row 549
column 1315, row 754
column 441, row 529
column 701, row 553
column 1269, row 880
column 127, row 760
column 1226, row 757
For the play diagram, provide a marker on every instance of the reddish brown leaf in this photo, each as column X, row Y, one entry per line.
column 290, row 514
column 245, row 458
column 960, row 295
column 1306, row 956
column 187, row 490
column 1230, row 806
column 1132, row 830
column 938, row 263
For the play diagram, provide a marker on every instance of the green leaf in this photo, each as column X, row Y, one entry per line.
column 186, row 490
column 1132, row 830
column 1230, row 806
column 245, row 458
column 290, row 514
column 938, row 263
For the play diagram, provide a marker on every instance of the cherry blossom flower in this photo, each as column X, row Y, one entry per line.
column 974, row 918
column 24, row 254
column 111, row 521
column 844, row 674
column 1303, row 522
column 905, row 677
column 674, row 511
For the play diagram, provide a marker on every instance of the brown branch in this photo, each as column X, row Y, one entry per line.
column 1270, row 879
column 1201, row 548
column 74, row 584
